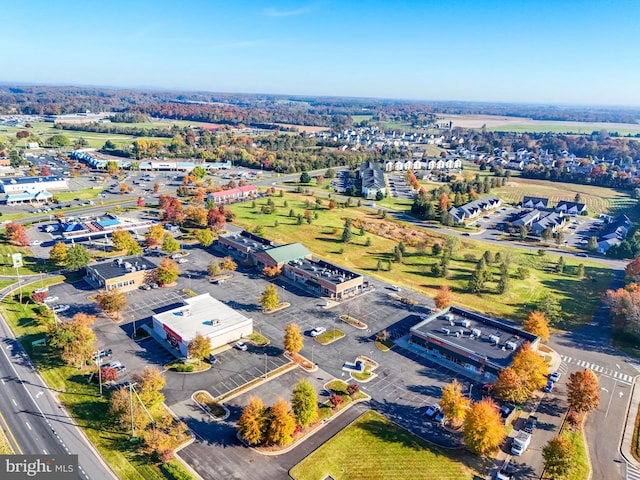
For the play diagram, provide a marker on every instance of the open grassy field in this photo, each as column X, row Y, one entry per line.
column 499, row 123
column 373, row 448
column 578, row 297
column 79, row 397
column 598, row 199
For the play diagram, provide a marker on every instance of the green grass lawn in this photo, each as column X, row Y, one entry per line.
column 578, row 297
column 373, row 448
column 32, row 265
column 598, row 199
column 79, row 397
column 84, row 194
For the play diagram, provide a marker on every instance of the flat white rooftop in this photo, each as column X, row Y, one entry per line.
column 202, row 314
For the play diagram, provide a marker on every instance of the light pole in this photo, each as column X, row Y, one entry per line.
column 265, row 365
column 470, row 390
column 312, row 347
column 98, row 360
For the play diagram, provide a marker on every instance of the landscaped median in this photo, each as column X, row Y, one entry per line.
column 341, row 397
column 82, row 399
column 374, row 448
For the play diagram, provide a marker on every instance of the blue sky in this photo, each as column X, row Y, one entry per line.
column 556, row 51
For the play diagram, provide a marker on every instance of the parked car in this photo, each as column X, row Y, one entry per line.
column 395, row 288
column 531, row 423
column 432, row 410
column 241, row 346
column 318, row 331
column 41, row 290
column 61, row 308
column 548, row 387
column 35, row 243
column 146, row 286
column 182, row 260
column 51, row 300
column 103, row 354
column 439, row 418
column 555, row 376
column 212, row 359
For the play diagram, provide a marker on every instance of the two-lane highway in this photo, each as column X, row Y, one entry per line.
column 33, row 419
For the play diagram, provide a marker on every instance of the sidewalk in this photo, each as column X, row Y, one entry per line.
column 629, row 426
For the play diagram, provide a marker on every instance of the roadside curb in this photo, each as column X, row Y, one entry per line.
column 626, row 440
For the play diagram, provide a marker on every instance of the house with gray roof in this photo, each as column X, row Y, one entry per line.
column 473, row 209
column 373, row 181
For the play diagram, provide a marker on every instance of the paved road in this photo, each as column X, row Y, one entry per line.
column 33, row 419
column 589, row 347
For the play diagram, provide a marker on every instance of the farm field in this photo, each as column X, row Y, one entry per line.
column 373, row 448
column 577, row 297
column 598, row 199
column 519, row 124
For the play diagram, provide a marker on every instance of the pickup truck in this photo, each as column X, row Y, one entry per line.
column 520, row 443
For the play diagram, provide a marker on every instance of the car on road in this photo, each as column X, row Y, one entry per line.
column 61, row 308
column 183, row 260
column 241, row 346
column 395, row 288
column 51, row 300
column 555, row 376
column 35, row 243
column 212, row 358
column 584, row 255
column 432, row 410
column 548, row 387
column 318, row 331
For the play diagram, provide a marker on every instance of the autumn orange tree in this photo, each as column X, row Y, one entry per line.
column 444, row 298
column 509, row 387
column 483, row 428
column 583, row 391
column 74, row 340
column 253, row 422
column 538, row 325
column 530, row 367
column 454, row 403
column 282, row 423
column 292, row 338
column 559, row 456
column 632, row 270
column 625, row 305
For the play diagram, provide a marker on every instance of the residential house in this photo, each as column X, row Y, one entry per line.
column 552, row 220
column 373, row 182
column 571, row 208
column 535, row 202
column 473, row 209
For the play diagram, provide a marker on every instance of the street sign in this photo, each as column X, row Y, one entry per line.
column 17, row 260
column 42, row 341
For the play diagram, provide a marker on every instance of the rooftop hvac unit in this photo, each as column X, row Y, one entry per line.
column 119, row 261
column 465, row 323
column 448, row 317
column 446, row 331
column 476, row 332
column 510, row 345
column 494, row 339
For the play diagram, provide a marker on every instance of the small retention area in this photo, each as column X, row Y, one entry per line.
column 374, row 448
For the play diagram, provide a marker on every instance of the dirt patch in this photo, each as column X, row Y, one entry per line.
column 304, row 128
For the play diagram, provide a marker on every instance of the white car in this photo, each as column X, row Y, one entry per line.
column 41, row 290
column 182, row 260
column 51, row 300
column 432, row 410
column 61, row 308
column 318, row 331
column 395, row 288
column 35, row 243
column 241, row 346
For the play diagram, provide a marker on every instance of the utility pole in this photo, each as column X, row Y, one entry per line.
column 98, row 360
column 133, row 430
column 265, row 365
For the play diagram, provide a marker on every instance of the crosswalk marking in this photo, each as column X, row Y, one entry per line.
column 632, row 473
column 615, row 374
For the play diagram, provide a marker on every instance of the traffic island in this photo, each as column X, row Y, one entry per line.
column 329, row 337
column 354, row 322
column 342, row 396
column 282, row 306
column 362, row 369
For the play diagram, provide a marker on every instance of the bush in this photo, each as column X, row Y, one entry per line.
column 174, row 471
column 183, row 367
column 353, row 389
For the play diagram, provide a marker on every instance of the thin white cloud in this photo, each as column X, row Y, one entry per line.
column 276, row 12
